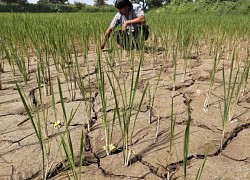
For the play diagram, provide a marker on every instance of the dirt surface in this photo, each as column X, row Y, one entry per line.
column 20, row 152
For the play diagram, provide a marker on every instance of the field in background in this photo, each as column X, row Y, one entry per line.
column 176, row 109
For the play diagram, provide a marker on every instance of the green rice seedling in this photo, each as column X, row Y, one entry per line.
column 22, row 67
column 57, row 123
column 86, row 92
column 225, row 112
column 88, row 104
column 8, row 56
column 38, row 77
column 68, row 144
column 200, row 171
column 232, row 89
column 151, row 105
column 185, row 44
column 216, row 63
column 37, row 121
column 227, row 100
column 15, row 58
column 22, row 40
column 186, row 141
column 37, row 128
column 1, row 71
column 62, row 103
column 68, row 78
column 65, row 63
column 69, row 152
column 247, row 71
column 53, row 52
column 81, row 156
column 60, row 43
column 71, row 73
column 47, row 68
column 153, row 95
column 107, row 123
column 80, row 83
column 124, row 113
column 54, row 104
column 173, row 118
column 1, row 87
column 154, row 49
column 38, row 107
column 42, row 46
column 164, row 39
column 240, row 84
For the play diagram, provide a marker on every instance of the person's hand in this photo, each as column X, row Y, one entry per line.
column 124, row 27
column 103, row 45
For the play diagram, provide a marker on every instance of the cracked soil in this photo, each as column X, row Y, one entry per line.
column 20, row 152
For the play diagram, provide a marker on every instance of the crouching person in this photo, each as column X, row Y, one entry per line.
column 134, row 30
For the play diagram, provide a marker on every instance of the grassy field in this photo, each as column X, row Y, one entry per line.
column 176, row 109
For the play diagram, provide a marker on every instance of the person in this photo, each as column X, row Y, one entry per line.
column 134, row 30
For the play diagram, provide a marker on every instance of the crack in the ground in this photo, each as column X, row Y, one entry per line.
column 36, row 143
column 188, row 99
column 140, row 138
column 152, row 168
column 17, row 141
column 231, row 136
column 89, row 74
column 20, row 176
column 181, row 86
column 4, row 160
column 173, row 167
column 9, row 102
column 10, row 114
column 203, row 126
column 71, row 125
column 110, row 174
column 199, row 125
column 247, row 159
column 94, row 118
column 24, row 121
column 24, row 113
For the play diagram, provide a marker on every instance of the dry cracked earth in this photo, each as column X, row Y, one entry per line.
column 20, row 152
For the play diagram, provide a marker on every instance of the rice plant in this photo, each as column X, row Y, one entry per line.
column 172, row 116
column 152, row 96
column 107, row 123
column 68, row 143
column 186, row 141
column 36, row 126
column 216, row 62
column 1, row 71
column 201, row 168
column 232, row 88
column 125, row 107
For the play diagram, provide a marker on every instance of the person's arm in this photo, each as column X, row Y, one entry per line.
column 106, row 36
column 112, row 25
column 140, row 19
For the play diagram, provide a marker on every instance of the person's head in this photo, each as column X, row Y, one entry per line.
column 123, row 6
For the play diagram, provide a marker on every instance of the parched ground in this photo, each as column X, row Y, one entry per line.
column 20, row 152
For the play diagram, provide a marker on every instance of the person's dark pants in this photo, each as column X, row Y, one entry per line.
column 133, row 39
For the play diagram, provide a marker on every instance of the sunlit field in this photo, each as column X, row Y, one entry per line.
column 178, row 108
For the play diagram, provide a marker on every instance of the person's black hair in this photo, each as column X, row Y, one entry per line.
column 122, row 3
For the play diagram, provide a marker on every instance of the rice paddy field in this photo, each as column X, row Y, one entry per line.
column 179, row 108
